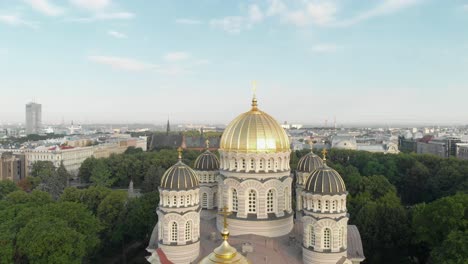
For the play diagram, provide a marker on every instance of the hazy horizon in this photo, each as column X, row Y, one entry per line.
column 367, row 62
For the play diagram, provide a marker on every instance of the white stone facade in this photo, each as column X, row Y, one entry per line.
column 209, row 195
column 179, row 225
column 325, row 223
column 256, row 187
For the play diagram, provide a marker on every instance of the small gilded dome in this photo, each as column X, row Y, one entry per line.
column 207, row 161
column 179, row 177
column 325, row 180
column 225, row 253
column 254, row 132
column 309, row 163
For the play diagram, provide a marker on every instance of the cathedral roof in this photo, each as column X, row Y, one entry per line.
column 254, row 132
column 325, row 180
column 207, row 161
column 309, row 163
column 179, row 177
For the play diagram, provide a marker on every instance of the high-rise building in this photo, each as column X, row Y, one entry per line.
column 33, row 118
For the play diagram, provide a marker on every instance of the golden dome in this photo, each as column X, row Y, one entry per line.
column 254, row 131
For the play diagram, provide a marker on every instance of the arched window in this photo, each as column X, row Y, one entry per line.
column 243, row 163
column 319, row 205
column 327, row 205
column 326, row 238
column 204, row 200
column 174, row 200
column 188, row 230
column 261, row 164
column 215, row 199
column 252, row 201
column 251, row 164
column 343, row 206
column 333, row 205
column 187, row 201
column 340, row 237
column 270, row 161
column 311, row 236
column 174, row 232
column 182, row 199
column 270, row 201
column 168, row 201
column 235, row 164
column 234, row 200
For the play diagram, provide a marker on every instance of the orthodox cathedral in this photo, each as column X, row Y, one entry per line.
column 238, row 208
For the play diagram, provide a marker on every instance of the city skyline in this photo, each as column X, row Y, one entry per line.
column 388, row 62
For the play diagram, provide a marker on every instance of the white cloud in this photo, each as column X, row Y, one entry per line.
column 176, row 56
column 385, row 8
column 275, row 7
column 116, row 34
column 255, row 14
column 322, row 13
column 298, row 18
column 231, row 24
column 188, row 21
column 105, row 16
column 324, row 48
column 122, row 63
column 91, row 4
column 45, row 7
column 16, row 20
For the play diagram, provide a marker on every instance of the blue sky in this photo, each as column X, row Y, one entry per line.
column 388, row 61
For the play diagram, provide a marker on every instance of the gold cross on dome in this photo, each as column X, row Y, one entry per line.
column 224, row 212
column 254, row 88
column 179, row 150
column 207, row 142
column 324, row 153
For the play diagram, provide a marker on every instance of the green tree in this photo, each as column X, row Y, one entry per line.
column 453, row 250
column 152, row 179
column 100, row 175
column 48, row 240
column 86, row 169
column 141, row 217
column 112, row 212
column 6, row 187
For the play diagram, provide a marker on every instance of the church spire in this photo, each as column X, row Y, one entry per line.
column 168, row 127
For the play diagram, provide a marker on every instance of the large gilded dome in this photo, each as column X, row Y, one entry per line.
column 254, row 132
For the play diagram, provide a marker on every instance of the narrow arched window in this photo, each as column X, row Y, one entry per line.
column 234, row 200
column 168, row 201
column 215, row 199
column 204, row 200
column 174, row 200
column 252, row 201
column 340, row 237
column 261, row 163
column 311, row 236
column 327, row 205
column 333, row 205
column 188, row 202
column 319, row 205
column 235, row 164
column 326, row 238
column 251, row 164
column 174, row 232
column 270, row 201
column 182, row 199
column 243, row 163
column 188, row 231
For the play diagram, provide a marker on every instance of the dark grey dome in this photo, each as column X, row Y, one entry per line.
column 309, row 163
column 325, row 180
column 207, row 161
column 179, row 177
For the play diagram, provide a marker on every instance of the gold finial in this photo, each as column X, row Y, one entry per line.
column 179, row 150
column 207, row 143
column 324, row 153
column 224, row 212
column 254, row 98
column 311, row 144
